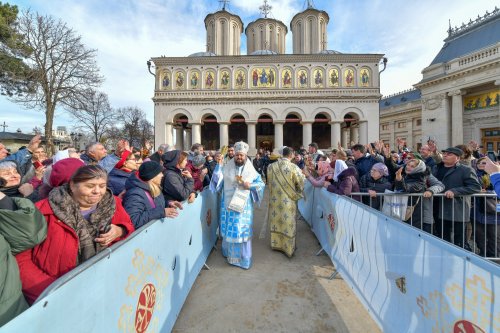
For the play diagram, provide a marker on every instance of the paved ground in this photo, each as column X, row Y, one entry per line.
column 277, row 294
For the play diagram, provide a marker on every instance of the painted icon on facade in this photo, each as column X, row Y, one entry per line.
column 165, row 82
column 318, row 78
column 224, row 80
column 240, row 79
column 179, row 80
column 333, row 77
column 263, row 77
column 302, row 78
column 486, row 100
column 364, row 77
column 195, row 78
column 209, row 80
column 349, row 78
column 286, row 78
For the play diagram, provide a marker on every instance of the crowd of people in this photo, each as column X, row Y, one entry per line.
column 58, row 211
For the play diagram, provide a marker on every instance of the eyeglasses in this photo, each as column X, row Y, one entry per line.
column 482, row 163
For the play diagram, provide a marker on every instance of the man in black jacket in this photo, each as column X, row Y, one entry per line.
column 454, row 209
column 162, row 149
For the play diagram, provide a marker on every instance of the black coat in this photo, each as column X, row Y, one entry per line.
column 137, row 204
column 174, row 185
column 367, row 183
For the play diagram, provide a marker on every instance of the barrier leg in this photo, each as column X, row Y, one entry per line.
column 334, row 274
column 319, row 252
column 206, row 267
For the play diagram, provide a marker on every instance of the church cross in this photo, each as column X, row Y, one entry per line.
column 265, row 9
column 4, row 125
column 224, row 3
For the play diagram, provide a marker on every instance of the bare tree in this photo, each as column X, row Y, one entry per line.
column 92, row 111
column 147, row 133
column 61, row 65
column 131, row 118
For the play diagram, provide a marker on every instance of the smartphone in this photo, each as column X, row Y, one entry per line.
column 491, row 155
column 37, row 164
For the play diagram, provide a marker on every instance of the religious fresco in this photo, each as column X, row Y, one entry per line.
column 482, row 101
column 302, row 78
column 209, row 79
column 333, row 77
column 165, row 80
column 286, row 78
column 224, row 79
column 318, row 78
column 349, row 78
column 263, row 77
column 179, row 80
column 194, row 81
column 240, row 79
column 364, row 77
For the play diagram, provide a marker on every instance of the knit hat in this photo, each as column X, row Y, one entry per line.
column 123, row 159
column 381, row 168
column 149, row 170
column 198, row 160
column 63, row 170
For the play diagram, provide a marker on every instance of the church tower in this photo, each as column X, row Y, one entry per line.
column 309, row 30
column 266, row 34
column 223, row 32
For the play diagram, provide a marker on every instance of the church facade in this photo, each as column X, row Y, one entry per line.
column 266, row 97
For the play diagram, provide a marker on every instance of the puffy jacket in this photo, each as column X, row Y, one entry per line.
column 138, row 205
column 346, row 184
column 364, row 165
column 174, row 185
column 57, row 255
column 22, row 226
column 117, row 179
column 367, row 183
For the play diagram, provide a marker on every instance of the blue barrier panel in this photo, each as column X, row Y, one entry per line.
column 137, row 285
column 306, row 205
column 410, row 281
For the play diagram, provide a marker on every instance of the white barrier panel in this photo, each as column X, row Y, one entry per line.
column 137, row 286
column 409, row 281
column 306, row 205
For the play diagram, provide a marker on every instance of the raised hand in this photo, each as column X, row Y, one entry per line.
column 399, row 176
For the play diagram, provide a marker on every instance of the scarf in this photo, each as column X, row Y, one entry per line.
column 420, row 168
column 68, row 211
column 339, row 167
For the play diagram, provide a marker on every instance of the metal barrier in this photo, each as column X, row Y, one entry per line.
column 479, row 234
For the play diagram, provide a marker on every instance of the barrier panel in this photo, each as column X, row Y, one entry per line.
column 409, row 280
column 306, row 204
column 137, row 285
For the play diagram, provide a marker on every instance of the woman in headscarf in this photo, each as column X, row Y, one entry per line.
column 418, row 179
column 325, row 174
column 123, row 169
column 344, row 180
column 83, row 218
column 374, row 182
column 177, row 185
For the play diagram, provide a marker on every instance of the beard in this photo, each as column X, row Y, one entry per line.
column 239, row 163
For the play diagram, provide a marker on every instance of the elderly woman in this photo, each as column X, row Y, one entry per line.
column 418, row 179
column 123, row 169
column 83, row 218
column 325, row 174
column 198, row 171
column 10, row 182
column 344, row 180
column 178, row 182
column 143, row 199
column 374, row 182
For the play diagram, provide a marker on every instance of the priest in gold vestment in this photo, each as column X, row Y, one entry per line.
column 286, row 185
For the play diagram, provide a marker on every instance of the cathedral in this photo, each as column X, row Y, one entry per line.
column 267, row 98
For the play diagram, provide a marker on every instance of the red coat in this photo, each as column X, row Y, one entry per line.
column 57, row 254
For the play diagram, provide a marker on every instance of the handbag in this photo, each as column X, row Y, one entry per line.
column 395, row 205
column 410, row 210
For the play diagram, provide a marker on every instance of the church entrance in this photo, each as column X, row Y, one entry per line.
column 292, row 132
column 238, row 130
column 265, row 133
column 321, row 131
column 210, row 133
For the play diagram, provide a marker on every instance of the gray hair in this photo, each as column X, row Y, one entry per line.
column 164, row 147
column 5, row 165
column 91, row 146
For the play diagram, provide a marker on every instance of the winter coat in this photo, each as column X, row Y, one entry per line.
column 495, row 181
column 138, row 205
column 364, row 165
column 367, row 183
column 346, row 184
column 419, row 183
column 461, row 180
column 117, row 179
column 57, row 255
column 174, row 185
column 198, row 184
column 22, row 226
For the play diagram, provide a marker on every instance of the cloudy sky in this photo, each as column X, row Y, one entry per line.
column 127, row 33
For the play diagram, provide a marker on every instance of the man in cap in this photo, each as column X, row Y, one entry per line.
column 242, row 186
column 454, row 209
column 286, row 184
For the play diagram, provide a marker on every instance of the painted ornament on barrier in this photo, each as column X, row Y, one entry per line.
column 209, row 217
column 145, row 308
column 464, row 326
column 331, row 221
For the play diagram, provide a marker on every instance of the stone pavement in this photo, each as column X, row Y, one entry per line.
column 278, row 294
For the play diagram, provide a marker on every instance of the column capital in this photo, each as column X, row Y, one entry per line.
column 457, row 92
column 278, row 122
column 195, row 123
column 224, row 122
column 251, row 122
column 336, row 121
column 306, row 122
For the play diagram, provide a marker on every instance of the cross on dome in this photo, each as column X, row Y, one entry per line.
column 265, row 9
column 224, row 3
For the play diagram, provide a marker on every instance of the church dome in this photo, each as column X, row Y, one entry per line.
column 329, row 52
column 203, row 54
column 264, row 52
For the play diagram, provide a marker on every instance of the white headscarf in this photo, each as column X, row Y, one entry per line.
column 339, row 167
column 60, row 155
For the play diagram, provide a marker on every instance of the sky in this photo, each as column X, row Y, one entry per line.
column 127, row 33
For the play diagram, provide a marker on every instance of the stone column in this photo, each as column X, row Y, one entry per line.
column 354, row 134
column 168, row 138
column 409, row 135
column 392, row 140
column 195, row 133
column 251, row 138
column 278, row 135
column 335, row 133
column 363, row 132
column 187, row 139
column 224, row 134
column 457, row 117
column 344, row 142
column 179, row 138
column 306, row 133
